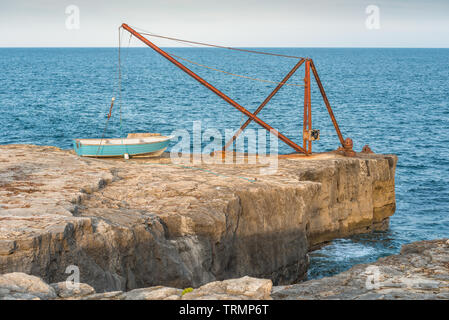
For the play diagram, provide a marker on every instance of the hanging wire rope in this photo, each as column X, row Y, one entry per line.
column 117, row 88
column 233, row 74
column 120, row 78
column 120, row 73
column 219, row 70
column 194, row 44
column 148, row 33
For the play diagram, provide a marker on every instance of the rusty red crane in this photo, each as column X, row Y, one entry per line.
column 309, row 134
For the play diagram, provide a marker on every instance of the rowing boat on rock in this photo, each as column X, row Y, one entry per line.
column 136, row 144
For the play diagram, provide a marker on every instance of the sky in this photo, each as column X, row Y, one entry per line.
column 241, row 23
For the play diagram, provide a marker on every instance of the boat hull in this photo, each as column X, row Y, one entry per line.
column 150, row 149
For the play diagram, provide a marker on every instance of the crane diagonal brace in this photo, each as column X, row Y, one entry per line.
column 264, row 103
column 252, row 116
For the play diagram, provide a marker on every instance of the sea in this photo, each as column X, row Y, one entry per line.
column 394, row 100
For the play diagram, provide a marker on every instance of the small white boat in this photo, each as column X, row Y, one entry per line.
column 136, row 144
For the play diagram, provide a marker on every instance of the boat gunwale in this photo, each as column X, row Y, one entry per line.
column 158, row 139
column 157, row 153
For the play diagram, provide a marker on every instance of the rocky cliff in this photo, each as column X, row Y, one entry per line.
column 138, row 223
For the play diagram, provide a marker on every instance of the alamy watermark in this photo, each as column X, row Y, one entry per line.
column 72, row 21
column 372, row 21
column 201, row 147
column 73, row 280
column 372, row 277
column 375, row 280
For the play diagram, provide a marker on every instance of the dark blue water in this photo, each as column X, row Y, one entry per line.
column 395, row 100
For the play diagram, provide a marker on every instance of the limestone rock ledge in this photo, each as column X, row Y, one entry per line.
column 420, row 271
column 21, row 286
column 140, row 223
